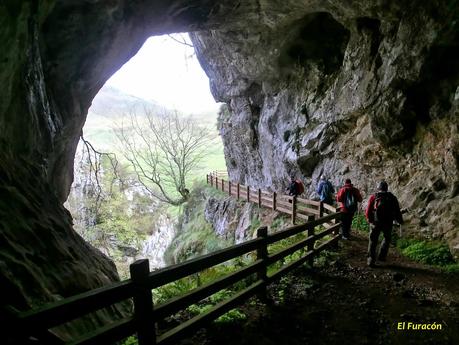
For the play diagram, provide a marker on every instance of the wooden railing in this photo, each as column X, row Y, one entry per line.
column 38, row 323
column 297, row 208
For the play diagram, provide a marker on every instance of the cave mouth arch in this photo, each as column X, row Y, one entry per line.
column 163, row 78
column 316, row 38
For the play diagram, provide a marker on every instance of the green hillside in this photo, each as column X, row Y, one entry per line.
column 111, row 106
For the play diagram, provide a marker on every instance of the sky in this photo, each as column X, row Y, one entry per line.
column 167, row 72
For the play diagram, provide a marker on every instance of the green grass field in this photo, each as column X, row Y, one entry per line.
column 99, row 130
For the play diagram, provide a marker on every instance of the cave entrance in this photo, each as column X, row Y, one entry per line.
column 116, row 201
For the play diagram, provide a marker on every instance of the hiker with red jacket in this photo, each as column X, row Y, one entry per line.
column 348, row 196
column 383, row 208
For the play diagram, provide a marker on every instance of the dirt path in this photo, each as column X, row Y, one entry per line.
column 346, row 302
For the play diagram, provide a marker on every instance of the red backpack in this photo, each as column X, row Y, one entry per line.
column 300, row 186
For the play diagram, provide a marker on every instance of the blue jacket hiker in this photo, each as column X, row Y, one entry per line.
column 325, row 190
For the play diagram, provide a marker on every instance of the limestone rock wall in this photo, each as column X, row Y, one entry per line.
column 231, row 219
column 55, row 56
column 365, row 90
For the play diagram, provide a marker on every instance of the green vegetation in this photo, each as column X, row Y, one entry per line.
column 209, row 303
column 130, row 341
column 278, row 246
column 360, row 223
column 111, row 211
column 195, row 236
column 433, row 253
column 428, row 252
column 106, row 215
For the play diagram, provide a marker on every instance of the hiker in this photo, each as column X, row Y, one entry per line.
column 383, row 208
column 325, row 190
column 296, row 187
column 348, row 196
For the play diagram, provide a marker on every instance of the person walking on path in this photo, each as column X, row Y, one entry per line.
column 325, row 190
column 296, row 187
column 348, row 196
column 383, row 208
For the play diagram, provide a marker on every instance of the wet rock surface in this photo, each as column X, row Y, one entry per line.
column 231, row 219
column 345, row 302
column 354, row 89
column 360, row 91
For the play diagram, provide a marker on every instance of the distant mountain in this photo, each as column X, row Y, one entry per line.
column 112, row 102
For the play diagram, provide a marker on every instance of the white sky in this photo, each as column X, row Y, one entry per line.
column 169, row 73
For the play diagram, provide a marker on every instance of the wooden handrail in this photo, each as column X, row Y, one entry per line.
column 178, row 303
column 65, row 310
column 295, row 207
column 172, row 273
column 38, row 321
column 108, row 334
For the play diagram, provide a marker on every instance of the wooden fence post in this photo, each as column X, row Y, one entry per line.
column 336, row 232
column 259, row 197
column 311, row 244
column 143, row 302
column 248, row 194
column 274, row 201
column 262, row 254
column 216, row 182
column 207, row 178
column 229, row 188
column 211, row 180
column 238, row 190
column 223, row 185
column 321, row 209
column 293, row 209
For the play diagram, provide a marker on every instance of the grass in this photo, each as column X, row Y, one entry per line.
column 359, row 223
column 431, row 253
column 434, row 253
column 196, row 236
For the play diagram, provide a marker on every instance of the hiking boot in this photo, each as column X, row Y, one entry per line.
column 344, row 238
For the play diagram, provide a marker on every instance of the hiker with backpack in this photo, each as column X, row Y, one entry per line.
column 383, row 208
column 296, row 187
column 349, row 197
column 325, row 190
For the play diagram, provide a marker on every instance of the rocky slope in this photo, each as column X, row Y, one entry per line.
column 359, row 90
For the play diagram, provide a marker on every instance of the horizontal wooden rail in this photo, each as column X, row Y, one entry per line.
column 309, row 202
column 197, row 322
column 181, row 302
column 310, row 254
column 330, row 208
column 294, row 230
column 172, row 273
column 108, row 334
column 289, row 250
column 65, row 310
column 296, row 207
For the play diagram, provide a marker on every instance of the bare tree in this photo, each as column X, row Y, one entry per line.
column 163, row 150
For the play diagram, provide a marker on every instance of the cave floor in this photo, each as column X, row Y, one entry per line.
column 346, row 302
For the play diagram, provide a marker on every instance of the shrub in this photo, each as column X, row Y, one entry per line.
column 430, row 253
column 360, row 223
column 231, row 316
column 130, row 341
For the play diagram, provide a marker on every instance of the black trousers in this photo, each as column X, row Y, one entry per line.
column 346, row 222
column 376, row 229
